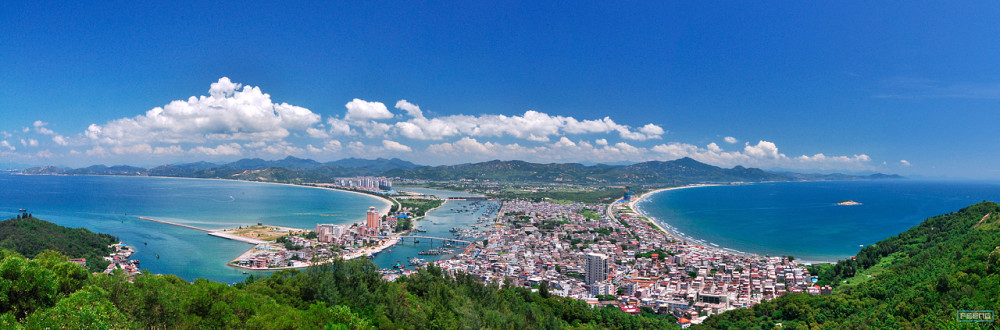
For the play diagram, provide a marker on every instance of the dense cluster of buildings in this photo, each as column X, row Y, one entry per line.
column 119, row 259
column 366, row 183
column 622, row 258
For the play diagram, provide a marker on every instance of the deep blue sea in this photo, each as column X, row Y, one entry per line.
column 112, row 205
column 802, row 219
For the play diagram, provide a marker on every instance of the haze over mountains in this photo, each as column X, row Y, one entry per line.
column 292, row 169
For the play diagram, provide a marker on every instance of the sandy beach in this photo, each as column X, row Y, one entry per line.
column 639, row 198
column 674, row 233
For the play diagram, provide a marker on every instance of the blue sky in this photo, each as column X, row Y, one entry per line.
column 867, row 85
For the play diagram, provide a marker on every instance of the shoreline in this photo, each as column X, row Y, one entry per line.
column 687, row 239
column 673, row 232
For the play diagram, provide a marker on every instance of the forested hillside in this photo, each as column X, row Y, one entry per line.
column 919, row 278
column 30, row 236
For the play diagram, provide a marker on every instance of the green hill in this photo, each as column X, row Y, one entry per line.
column 30, row 236
column 917, row 279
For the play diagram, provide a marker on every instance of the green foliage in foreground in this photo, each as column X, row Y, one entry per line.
column 30, row 236
column 49, row 292
column 920, row 279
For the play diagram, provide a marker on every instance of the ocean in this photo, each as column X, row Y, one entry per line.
column 802, row 219
column 112, row 205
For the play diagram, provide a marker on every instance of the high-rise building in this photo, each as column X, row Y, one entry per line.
column 597, row 268
column 374, row 221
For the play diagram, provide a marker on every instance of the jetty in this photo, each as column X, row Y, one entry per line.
column 176, row 224
column 216, row 233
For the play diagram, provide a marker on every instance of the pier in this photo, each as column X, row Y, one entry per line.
column 216, row 233
column 176, row 224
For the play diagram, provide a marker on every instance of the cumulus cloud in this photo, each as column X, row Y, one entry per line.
column 228, row 113
column 564, row 143
column 904, row 162
column 6, row 145
column 29, row 142
column 132, row 149
column 532, row 126
column 730, row 140
column 168, row 150
column 763, row 149
column 317, row 133
column 762, row 154
column 360, row 110
column 40, row 127
column 411, row 109
column 60, row 140
column 229, row 149
column 328, row 147
column 395, row 146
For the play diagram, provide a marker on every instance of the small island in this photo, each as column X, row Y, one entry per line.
column 848, row 202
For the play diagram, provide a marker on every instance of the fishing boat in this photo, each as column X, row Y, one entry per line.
column 416, row 261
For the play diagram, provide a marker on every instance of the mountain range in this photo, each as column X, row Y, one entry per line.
column 292, row 169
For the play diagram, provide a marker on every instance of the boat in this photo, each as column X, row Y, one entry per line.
column 244, row 272
column 416, row 261
column 157, row 256
column 397, row 265
column 22, row 210
column 416, row 241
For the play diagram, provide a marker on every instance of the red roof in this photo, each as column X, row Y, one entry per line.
column 683, row 320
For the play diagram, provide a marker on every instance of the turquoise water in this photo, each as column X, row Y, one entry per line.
column 112, row 204
column 437, row 223
column 802, row 219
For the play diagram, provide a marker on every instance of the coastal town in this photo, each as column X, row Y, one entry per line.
column 603, row 254
column 609, row 254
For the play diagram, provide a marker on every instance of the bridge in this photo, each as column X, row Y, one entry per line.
column 432, row 238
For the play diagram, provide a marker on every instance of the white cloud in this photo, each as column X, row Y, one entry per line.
column 564, row 143
column 357, row 147
column 317, row 133
column 395, row 146
column 339, row 127
column 40, row 128
column 411, row 109
column 26, row 129
column 330, row 146
column 652, row 130
column 360, row 110
column 532, row 126
column 6, row 145
column 29, row 142
column 227, row 114
column 904, row 162
column 60, row 140
column 168, row 150
column 730, row 140
column 97, row 151
column 601, row 142
column 132, row 149
column 714, row 147
column 762, row 149
column 281, row 148
column 5, row 134
column 44, row 154
column 220, row 150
